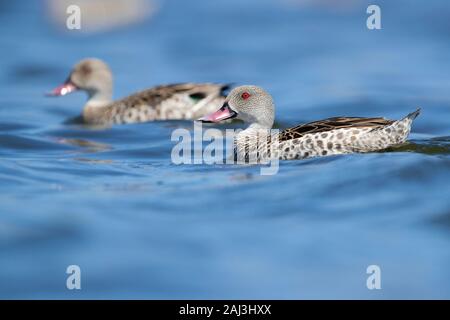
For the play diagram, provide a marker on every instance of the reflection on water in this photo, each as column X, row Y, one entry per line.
column 111, row 201
column 93, row 161
column 86, row 145
column 432, row 146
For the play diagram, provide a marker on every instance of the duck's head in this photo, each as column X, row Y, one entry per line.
column 251, row 104
column 90, row 75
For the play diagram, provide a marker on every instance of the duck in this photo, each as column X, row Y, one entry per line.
column 182, row 101
column 332, row 136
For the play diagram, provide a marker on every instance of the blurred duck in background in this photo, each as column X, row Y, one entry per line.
column 101, row 15
column 185, row 101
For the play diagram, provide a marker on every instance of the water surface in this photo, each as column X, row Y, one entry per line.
column 112, row 202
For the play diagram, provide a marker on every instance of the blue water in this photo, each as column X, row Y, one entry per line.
column 112, row 202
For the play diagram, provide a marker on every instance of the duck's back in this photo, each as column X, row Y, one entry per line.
column 343, row 135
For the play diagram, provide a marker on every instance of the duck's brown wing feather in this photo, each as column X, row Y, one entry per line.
column 154, row 96
column 331, row 124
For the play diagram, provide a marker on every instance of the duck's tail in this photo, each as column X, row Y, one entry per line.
column 412, row 115
column 225, row 88
column 403, row 127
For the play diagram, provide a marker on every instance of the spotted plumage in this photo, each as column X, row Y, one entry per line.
column 344, row 135
column 331, row 136
column 169, row 102
column 183, row 101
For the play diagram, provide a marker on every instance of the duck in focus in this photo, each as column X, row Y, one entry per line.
column 185, row 101
column 339, row 135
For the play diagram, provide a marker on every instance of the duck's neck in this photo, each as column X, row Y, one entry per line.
column 252, row 139
column 253, row 129
column 96, row 106
column 99, row 98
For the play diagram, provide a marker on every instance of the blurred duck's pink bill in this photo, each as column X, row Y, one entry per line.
column 223, row 113
column 62, row 90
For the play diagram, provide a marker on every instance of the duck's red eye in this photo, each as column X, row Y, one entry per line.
column 245, row 95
